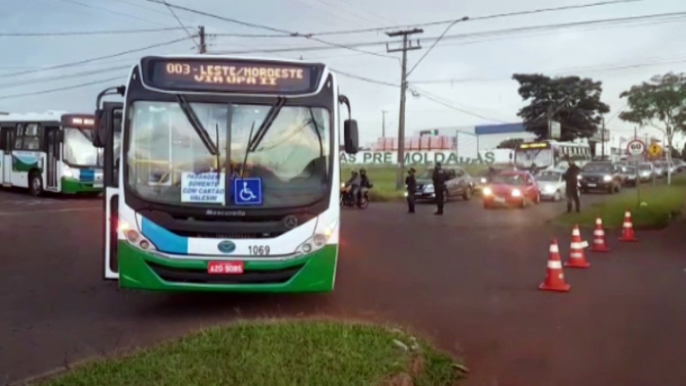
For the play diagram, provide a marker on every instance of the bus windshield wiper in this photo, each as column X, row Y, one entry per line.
column 254, row 141
column 197, row 125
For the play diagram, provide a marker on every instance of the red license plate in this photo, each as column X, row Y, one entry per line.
column 225, row 268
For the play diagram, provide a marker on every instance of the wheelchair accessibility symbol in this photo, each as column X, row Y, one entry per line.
column 247, row 191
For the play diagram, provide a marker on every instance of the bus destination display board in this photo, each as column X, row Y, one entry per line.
column 231, row 76
column 534, row 145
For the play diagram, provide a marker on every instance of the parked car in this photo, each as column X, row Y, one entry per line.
column 551, row 185
column 511, row 188
column 600, row 176
column 459, row 184
column 629, row 175
column 646, row 171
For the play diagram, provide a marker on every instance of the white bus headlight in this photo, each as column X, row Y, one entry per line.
column 516, row 193
column 66, row 171
column 319, row 239
column 607, row 178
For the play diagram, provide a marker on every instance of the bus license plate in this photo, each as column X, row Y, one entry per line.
column 591, row 185
column 225, row 268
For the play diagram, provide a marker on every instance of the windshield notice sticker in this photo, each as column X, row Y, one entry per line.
column 202, row 187
column 247, row 191
column 193, row 74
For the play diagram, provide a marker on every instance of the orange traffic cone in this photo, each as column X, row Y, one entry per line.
column 555, row 279
column 599, row 244
column 628, row 229
column 577, row 257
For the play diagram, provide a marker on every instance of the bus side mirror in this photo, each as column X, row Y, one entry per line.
column 99, row 135
column 351, row 136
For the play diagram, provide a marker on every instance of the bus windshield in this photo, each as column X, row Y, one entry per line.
column 525, row 158
column 292, row 159
column 79, row 149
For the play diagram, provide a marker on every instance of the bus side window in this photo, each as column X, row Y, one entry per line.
column 31, row 139
column 18, row 137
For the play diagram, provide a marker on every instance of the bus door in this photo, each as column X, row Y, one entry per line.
column 6, row 155
column 109, row 126
column 52, row 150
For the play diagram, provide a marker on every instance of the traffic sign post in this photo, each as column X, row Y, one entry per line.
column 637, row 150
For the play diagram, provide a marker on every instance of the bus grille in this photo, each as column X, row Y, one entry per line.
column 195, row 276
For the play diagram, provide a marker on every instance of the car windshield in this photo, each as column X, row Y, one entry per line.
column 549, row 176
column 508, row 179
column 79, row 149
column 644, row 167
column 168, row 162
column 597, row 168
column 524, row 159
column 629, row 169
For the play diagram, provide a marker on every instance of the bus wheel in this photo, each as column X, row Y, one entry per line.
column 35, row 184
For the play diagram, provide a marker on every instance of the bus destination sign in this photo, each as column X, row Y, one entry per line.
column 534, row 145
column 212, row 75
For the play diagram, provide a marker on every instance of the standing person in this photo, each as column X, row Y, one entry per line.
column 571, row 178
column 411, row 184
column 439, row 178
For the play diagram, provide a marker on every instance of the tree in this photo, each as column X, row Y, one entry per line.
column 572, row 101
column 511, row 143
column 659, row 103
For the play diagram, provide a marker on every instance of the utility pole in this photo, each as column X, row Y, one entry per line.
column 602, row 141
column 383, row 123
column 203, row 46
column 407, row 46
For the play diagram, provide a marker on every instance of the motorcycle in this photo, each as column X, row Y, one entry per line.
column 348, row 200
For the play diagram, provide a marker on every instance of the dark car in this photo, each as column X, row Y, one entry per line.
column 601, row 176
column 459, row 184
column 629, row 174
column 511, row 188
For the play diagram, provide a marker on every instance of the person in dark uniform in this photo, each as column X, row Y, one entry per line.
column 411, row 184
column 571, row 178
column 439, row 179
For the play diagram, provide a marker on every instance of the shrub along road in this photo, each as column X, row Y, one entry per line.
column 467, row 280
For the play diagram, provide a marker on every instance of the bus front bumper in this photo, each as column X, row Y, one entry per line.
column 72, row 186
column 143, row 270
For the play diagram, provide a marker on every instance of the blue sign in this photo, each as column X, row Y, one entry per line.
column 247, row 191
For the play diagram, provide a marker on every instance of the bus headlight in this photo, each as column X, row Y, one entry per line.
column 487, row 192
column 516, row 193
column 607, row 178
column 66, row 171
column 318, row 240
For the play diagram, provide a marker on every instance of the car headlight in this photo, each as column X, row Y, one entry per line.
column 549, row 189
column 405, row 194
column 516, row 193
column 342, row 184
column 607, row 178
column 487, row 191
column 429, row 188
column 579, row 177
column 483, row 180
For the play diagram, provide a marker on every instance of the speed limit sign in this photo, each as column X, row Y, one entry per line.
column 636, row 148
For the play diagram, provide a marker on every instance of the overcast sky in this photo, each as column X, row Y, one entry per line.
column 618, row 54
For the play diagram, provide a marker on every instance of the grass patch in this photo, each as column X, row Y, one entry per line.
column 384, row 176
column 659, row 205
column 279, row 353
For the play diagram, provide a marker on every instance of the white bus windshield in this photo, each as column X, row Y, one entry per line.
column 524, row 158
column 79, row 149
column 292, row 159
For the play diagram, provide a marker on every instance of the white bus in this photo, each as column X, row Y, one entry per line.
column 227, row 175
column 550, row 155
column 52, row 151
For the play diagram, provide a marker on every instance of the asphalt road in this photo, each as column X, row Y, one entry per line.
column 467, row 280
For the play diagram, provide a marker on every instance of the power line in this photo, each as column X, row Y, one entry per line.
column 349, row 75
column 111, row 11
column 89, row 33
column 368, row 11
column 434, row 45
column 62, row 77
column 60, row 89
column 64, row 65
column 184, row 28
column 308, row 5
column 436, row 100
column 490, row 33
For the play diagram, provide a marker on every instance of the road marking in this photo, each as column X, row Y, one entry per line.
column 2, row 214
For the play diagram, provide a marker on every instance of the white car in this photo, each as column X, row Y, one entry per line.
column 551, row 184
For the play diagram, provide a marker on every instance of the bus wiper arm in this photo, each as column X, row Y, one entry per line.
column 197, row 125
column 266, row 124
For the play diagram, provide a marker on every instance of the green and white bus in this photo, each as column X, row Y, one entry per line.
column 52, row 151
column 227, row 175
